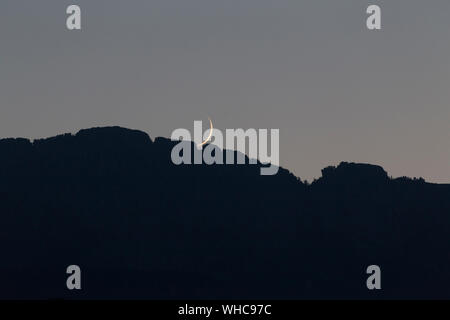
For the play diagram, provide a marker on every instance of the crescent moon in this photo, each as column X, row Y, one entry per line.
column 210, row 134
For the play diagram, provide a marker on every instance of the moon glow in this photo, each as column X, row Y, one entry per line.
column 210, row 134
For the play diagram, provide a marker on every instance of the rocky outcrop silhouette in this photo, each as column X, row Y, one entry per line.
column 111, row 201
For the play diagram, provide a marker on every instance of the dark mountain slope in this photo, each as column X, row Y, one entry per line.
column 111, row 201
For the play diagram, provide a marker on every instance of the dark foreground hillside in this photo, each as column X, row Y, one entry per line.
column 111, row 201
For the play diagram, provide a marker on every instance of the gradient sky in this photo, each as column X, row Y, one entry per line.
column 337, row 91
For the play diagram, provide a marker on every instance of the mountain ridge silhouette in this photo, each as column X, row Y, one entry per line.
column 110, row 200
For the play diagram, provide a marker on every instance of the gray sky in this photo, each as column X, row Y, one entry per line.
column 337, row 91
